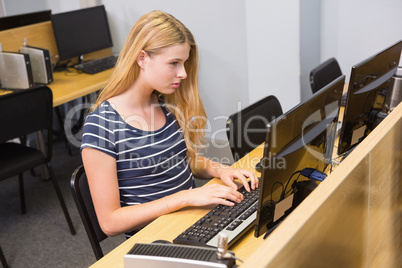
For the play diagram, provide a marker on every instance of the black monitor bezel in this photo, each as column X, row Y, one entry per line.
column 262, row 226
column 358, row 95
column 15, row 21
column 60, row 34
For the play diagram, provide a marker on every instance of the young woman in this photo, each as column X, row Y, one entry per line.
column 140, row 141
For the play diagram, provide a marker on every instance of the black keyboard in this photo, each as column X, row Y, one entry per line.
column 96, row 66
column 234, row 221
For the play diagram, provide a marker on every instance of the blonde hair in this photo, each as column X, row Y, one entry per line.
column 152, row 32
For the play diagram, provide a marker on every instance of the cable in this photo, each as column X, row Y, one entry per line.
column 284, row 190
column 313, row 174
column 272, row 189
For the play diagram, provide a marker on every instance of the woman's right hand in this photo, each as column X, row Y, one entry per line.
column 212, row 194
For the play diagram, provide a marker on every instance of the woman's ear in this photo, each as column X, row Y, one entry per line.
column 141, row 59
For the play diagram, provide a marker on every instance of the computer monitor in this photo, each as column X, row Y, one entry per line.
column 301, row 138
column 369, row 85
column 20, row 20
column 81, row 31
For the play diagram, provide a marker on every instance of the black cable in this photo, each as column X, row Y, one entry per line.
column 283, row 193
column 72, row 72
column 291, row 189
column 272, row 188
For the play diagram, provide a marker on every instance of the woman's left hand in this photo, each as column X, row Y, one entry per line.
column 229, row 174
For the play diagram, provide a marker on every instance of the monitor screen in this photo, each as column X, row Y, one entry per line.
column 20, row 20
column 301, row 138
column 81, row 31
column 368, row 88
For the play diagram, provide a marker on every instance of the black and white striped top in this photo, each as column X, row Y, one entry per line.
column 150, row 164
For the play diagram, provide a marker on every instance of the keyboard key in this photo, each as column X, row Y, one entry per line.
column 236, row 219
column 98, row 65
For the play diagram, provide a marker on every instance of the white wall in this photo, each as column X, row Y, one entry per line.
column 220, row 33
column 2, row 9
column 15, row 7
column 354, row 30
column 273, row 39
column 310, row 43
column 251, row 48
column 248, row 50
column 58, row 6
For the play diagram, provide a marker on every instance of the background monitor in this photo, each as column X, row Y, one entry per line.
column 368, row 88
column 81, row 31
column 301, row 138
column 15, row 21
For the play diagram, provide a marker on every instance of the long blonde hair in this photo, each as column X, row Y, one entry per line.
column 152, row 32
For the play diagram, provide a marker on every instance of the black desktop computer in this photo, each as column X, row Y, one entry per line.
column 368, row 93
column 298, row 145
column 74, row 40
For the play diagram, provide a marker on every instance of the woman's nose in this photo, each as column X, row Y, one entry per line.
column 182, row 74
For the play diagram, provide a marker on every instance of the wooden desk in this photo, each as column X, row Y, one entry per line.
column 69, row 86
column 352, row 219
column 66, row 86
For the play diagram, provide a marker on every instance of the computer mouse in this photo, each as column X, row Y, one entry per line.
column 258, row 166
column 161, row 241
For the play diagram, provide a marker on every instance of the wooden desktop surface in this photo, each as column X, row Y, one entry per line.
column 169, row 226
column 68, row 86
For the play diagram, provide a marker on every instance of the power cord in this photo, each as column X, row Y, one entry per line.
column 287, row 184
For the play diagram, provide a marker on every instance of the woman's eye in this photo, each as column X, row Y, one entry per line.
column 174, row 63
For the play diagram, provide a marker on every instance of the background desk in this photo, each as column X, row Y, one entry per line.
column 69, row 86
column 353, row 219
column 65, row 88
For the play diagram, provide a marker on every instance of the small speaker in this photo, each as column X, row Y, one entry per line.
column 15, row 70
column 41, row 64
column 174, row 256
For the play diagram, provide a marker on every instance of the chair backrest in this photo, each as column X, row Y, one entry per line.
column 83, row 201
column 25, row 112
column 324, row 74
column 247, row 128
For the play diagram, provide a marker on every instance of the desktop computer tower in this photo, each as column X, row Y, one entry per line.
column 15, row 70
column 41, row 64
column 302, row 189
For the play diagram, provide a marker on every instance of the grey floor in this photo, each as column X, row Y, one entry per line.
column 41, row 237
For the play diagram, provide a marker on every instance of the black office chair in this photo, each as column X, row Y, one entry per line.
column 247, row 129
column 324, row 74
column 83, row 201
column 22, row 113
